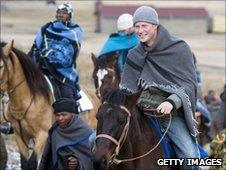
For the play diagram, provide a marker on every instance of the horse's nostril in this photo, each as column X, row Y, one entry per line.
column 104, row 161
column 100, row 162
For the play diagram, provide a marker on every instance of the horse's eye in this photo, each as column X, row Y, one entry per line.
column 108, row 76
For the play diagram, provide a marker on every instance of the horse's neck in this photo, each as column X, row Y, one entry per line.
column 17, row 85
column 105, row 91
column 118, row 78
column 138, row 142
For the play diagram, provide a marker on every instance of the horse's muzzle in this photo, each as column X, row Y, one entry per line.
column 100, row 161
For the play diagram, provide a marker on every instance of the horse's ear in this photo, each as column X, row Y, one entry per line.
column 94, row 59
column 8, row 48
column 131, row 99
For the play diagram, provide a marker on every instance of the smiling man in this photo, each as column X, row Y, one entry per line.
column 163, row 66
column 67, row 146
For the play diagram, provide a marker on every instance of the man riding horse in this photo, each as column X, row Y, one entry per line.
column 56, row 48
column 163, row 65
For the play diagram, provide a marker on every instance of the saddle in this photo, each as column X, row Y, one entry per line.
column 84, row 103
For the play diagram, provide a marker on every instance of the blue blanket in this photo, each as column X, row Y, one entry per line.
column 117, row 42
column 60, row 48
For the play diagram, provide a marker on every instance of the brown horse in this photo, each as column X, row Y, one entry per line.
column 29, row 108
column 105, row 73
column 123, row 134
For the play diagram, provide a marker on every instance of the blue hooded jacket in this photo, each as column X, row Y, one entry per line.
column 119, row 43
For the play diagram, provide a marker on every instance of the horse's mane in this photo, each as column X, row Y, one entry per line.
column 116, row 97
column 34, row 77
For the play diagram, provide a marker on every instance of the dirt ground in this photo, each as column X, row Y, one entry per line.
column 20, row 20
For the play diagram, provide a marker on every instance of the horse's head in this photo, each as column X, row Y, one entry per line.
column 113, row 124
column 16, row 68
column 104, row 73
column 5, row 64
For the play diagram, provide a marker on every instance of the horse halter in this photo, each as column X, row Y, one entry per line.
column 122, row 138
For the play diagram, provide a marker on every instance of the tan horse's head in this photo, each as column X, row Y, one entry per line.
column 5, row 65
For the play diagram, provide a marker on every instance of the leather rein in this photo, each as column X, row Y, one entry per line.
column 120, row 142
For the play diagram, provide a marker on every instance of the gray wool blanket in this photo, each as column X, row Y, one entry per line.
column 169, row 66
column 75, row 138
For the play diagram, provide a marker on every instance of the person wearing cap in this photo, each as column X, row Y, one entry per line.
column 121, row 42
column 56, row 48
column 67, row 146
column 163, row 66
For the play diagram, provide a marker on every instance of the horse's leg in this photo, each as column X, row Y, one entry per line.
column 40, row 141
column 21, row 146
column 29, row 164
column 3, row 153
column 32, row 162
column 24, row 151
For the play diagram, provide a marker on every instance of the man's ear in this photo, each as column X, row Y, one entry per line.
column 155, row 27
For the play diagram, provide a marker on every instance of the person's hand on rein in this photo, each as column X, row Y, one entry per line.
column 165, row 107
column 72, row 163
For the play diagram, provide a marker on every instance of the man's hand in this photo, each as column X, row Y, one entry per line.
column 72, row 163
column 165, row 107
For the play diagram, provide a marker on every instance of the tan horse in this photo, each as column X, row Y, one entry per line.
column 29, row 108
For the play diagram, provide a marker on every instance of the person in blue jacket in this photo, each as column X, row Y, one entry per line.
column 56, row 48
column 121, row 42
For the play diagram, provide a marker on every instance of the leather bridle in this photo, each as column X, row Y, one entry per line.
column 120, row 142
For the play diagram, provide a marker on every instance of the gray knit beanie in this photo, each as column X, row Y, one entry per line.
column 146, row 14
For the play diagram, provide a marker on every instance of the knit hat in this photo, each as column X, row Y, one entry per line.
column 146, row 14
column 67, row 6
column 124, row 21
column 65, row 105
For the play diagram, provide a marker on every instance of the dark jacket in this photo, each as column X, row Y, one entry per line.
column 65, row 142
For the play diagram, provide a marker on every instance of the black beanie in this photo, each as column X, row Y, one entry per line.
column 65, row 105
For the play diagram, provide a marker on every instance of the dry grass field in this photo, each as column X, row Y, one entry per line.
column 20, row 20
